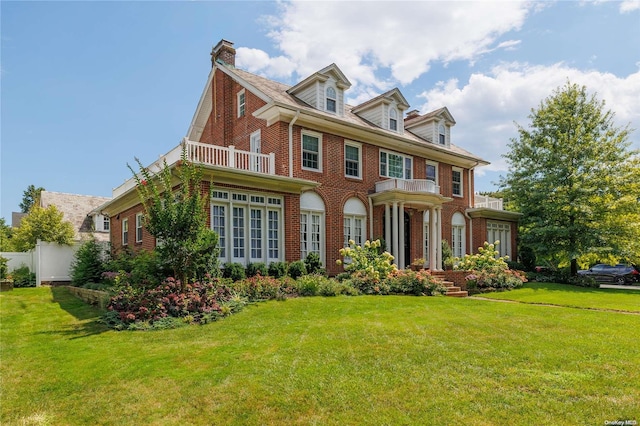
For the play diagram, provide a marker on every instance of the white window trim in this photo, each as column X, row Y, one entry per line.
column 125, row 231
column 446, row 142
column 139, row 227
column 393, row 110
column 105, row 221
column 242, row 107
column 460, row 249
column 435, row 164
column 314, row 135
column 359, row 147
column 334, row 99
column 457, row 169
column 404, row 157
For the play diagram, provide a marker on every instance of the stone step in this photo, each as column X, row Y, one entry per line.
column 457, row 294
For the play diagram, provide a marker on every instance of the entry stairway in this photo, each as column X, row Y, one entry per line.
column 452, row 290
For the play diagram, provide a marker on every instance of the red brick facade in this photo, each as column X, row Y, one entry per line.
column 224, row 127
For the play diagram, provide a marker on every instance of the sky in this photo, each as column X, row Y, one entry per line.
column 88, row 87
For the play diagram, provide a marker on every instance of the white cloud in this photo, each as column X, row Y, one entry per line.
column 380, row 46
column 486, row 106
column 628, row 6
column 258, row 62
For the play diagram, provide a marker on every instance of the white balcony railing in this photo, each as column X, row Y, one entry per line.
column 210, row 155
column 484, row 201
column 411, row 185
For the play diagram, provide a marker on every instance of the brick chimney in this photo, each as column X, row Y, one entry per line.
column 412, row 114
column 225, row 52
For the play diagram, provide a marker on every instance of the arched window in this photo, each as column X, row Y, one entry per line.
column 458, row 240
column 355, row 219
column 331, row 99
column 311, row 225
column 393, row 119
column 442, row 135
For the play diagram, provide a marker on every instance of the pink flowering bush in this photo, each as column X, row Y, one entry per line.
column 414, row 282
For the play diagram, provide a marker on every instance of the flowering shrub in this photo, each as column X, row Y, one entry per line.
column 367, row 261
column 414, row 282
column 257, row 288
column 197, row 300
column 488, row 271
column 486, row 259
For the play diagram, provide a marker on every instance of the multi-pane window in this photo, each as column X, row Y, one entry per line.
column 442, row 136
column 500, row 231
column 458, row 235
column 238, row 233
column 218, row 220
column 393, row 119
column 255, row 143
column 432, row 172
column 253, row 223
column 139, row 228
column 331, row 99
column 241, row 103
column 354, row 230
column 395, row 165
column 311, row 148
column 456, row 177
column 105, row 223
column 352, row 160
column 125, row 232
column 310, row 237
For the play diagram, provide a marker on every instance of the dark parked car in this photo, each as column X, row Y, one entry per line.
column 618, row 274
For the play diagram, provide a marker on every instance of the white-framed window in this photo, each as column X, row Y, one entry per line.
column 458, row 238
column 311, row 151
column 106, row 223
column 354, row 223
column 331, row 99
column 255, row 142
column 395, row 165
column 125, row 231
column 353, row 160
column 241, row 103
column 500, row 231
column 432, row 171
column 393, row 119
column 456, row 181
column 442, row 135
column 312, row 228
column 139, row 218
column 249, row 226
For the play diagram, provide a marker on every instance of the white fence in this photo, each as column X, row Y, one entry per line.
column 51, row 262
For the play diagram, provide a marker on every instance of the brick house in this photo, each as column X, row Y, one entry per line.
column 296, row 170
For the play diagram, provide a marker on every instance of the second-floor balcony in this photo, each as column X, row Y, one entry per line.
column 408, row 185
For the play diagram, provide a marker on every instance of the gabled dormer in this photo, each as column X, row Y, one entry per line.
column 385, row 111
column 323, row 90
column 434, row 126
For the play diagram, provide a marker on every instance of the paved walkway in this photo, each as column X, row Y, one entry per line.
column 621, row 287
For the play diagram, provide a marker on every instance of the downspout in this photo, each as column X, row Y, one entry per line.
column 295, row 118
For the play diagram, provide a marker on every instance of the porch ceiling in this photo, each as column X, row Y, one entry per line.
column 412, row 200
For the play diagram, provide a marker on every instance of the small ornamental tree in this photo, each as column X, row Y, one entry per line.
column 174, row 201
column 45, row 224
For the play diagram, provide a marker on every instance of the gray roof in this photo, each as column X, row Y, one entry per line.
column 76, row 209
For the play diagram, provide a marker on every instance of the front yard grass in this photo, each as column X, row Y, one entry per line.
column 342, row 360
column 572, row 296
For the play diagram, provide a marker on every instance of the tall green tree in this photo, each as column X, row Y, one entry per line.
column 575, row 179
column 175, row 213
column 30, row 197
column 6, row 236
column 45, row 224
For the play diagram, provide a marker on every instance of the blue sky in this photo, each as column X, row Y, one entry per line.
column 88, row 86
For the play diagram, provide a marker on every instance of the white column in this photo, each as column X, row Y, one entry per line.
column 387, row 227
column 433, row 239
column 395, row 233
column 401, row 260
column 439, row 238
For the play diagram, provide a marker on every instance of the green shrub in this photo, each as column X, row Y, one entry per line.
column 297, row 269
column 4, row 268
column 415, row 282
column 278, row 269
column 234, row 271
column 23, row 277
column 364, row 284
column 486, row 259
column 308, row 285
column 259, row 268
column 494, row 280
column 88, row 264
column 331, row 287
column 313, row 263
column 367, row 261
column 257, row 288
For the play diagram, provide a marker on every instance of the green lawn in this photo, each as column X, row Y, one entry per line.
column 568, row 295
column 359, row 360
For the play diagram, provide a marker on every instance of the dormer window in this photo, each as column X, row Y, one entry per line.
column 393, row 119
column 331, row 99
column 442, row 137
